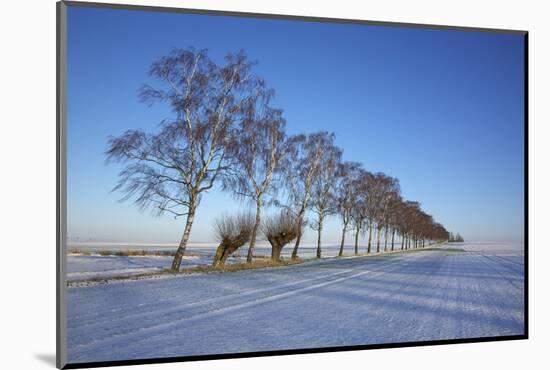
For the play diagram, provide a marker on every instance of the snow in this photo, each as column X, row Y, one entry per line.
column 80, row 267
column 209, row 249
column 92, row 265
column 402, row 297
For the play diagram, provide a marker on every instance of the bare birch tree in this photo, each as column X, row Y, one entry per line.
column 394, row 215
column 303, row 158
column 170, row 170
column 409, row 211
column 372, row 204
column 386, row 188
column 323, row 189
column 255, row 155
column 360, row 211
column 348, row 177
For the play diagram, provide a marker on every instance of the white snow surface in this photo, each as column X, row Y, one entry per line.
column 402, row 297
column 82, row 267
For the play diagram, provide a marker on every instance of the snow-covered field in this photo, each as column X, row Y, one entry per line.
column 205, row 249
column 416, row 296
column 95, row 266
column 82, row 267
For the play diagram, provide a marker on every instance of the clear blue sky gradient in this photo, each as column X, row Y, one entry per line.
column 441, row 110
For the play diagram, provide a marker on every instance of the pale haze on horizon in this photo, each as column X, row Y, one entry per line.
column 442, row 111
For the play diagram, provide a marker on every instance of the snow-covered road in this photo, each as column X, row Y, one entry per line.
column 415, row 296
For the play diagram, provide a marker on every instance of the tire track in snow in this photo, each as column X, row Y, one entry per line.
column 519, row 270
column 493, row 309
column 93, row 317
column 146, row 309
column 507, row 263
column 145, row 333
column 492, row 267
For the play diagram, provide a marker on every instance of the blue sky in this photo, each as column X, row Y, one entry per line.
column 440, row 110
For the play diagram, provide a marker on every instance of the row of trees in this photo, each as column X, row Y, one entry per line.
column 226, row 132
column 455, row 238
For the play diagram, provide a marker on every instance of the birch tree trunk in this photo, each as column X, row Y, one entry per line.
column 341, row 253
column 357, row 241
column 319, row 230
column 299, row 237
column 301, row 215
column 297, row 244
column 254, row 231
column 385, row 239
column 370, row 237
column 176, row 263
column 378, row 239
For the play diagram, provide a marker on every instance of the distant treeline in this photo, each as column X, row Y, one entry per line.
column 225, row 133
column 455, row 238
